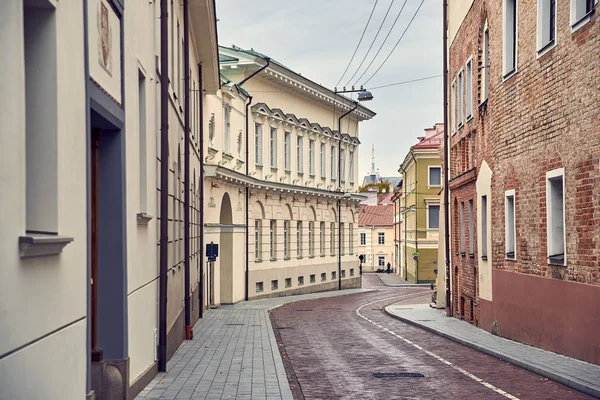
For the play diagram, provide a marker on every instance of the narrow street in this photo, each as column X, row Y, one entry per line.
column 347, row 347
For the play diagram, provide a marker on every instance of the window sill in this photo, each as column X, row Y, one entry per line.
column 286, row 258
column 227, row 156
column 469, row 118
column 546, row 49
column 484, row 258
column 258, row 260
column 582, row 22
column 509, row 75
column 259, row 291
column 300, row 173
column 471, row 255
column 460, row 125
column 311, row 256
column 274, row 288
column 510, row 256
column 311, row 174
column 299, row 257
column 463, row 254
column 322, row 255
column 143, row 218
column 274, row 169
column 37, row 244
column 258, row 166
column 273, row 259
column 301, row 284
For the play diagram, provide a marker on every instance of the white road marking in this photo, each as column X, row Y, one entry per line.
column 441, row 359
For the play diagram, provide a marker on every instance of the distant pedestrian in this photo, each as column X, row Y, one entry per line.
column 389, row 268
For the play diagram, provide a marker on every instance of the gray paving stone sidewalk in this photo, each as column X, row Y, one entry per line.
column 576, row 374
column 234, row 355
column 395, row 281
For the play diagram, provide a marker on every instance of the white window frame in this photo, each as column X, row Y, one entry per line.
column 299, row 154
column 343, row 166
column 350, row 238
column 554, row 175
column 483, row 225
column 469, row 88
column 351, row 168
column 485, row 69
column 460, row 98
column 433, row 204
column 323, row 160
column 333, row 163
column 544, row 23
column 299, row 239
column 311, row 157
column 287, row 151
column 463, row 246
column 257, row 223
column 471, row 227
column 579, row 14
column 454, row 108
column 332, row 238
column 363, row 235
column 258, row 135
column 273, row 148
column 311, row 239
column 380, row 235
column 286, row 239
column 226, row 128
column 273, row 239
column 379, row 259
column 429, row 168
column 342, row 248
column 509, row 42
column 510, row 229
column 322, row 238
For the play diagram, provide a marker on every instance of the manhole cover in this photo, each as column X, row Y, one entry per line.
column 398, row 375
column 234, row 324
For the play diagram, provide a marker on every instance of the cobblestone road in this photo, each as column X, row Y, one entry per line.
column 337, row 345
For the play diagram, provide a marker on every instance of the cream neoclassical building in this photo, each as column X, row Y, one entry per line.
column 271, row 183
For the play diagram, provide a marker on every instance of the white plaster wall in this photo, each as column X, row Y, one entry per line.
column 484, row 188
column 457, row 11
column 39, row 295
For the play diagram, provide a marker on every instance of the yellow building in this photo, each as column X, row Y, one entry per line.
column 419, row 206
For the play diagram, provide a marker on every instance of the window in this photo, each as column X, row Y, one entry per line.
column 272, row 239
column 227, row 129
column 343, row 166
column 485, row 71
column 351, row 271
column 300, row 280
column 351, row 168
column 322, row 238
column 580, row 12
column 460, row 100
column 469, row 88
column 555, row 211
column 546, row 24
column 311, row 239
column 462, row 229
column 510, row 37
column 454, row 108
column 313, row 278
column 259, row 286
column 258, row 134
column 509, row 224
column 299, row 239
column 350, row 238
column 178, row 57
column 333, row 275
column 286, row 239
column 323, row 158
column 323, row 277
column 332, row 238
column 287, row 151
column 435, row 176
column 273, row 148
column 343, row 274
column 381, row 237
column 483, row 226
column 433, row 216
column 471, row 229
column 41, row 117
column 299, row 154
column 288, row 282
column 142, row 140
column 311, row 157
column 257, row 239
column 342, row 250
column 333, row 164
column 274, row 284
column 381, row 261
column 363, row 239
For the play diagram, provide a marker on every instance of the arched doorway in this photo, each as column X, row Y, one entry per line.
column 226, row 251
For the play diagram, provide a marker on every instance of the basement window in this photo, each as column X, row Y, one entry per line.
column 274, row 284
column 259, row 287
column 313, row 278
column 555, row 211
column 323, row 277
column 351, row 271
column 288, row 282
column 300, row 280
column 333, row 275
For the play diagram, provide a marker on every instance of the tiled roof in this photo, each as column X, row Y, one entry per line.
column 379, row 215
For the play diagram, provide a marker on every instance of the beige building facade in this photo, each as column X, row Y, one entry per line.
column 376, row 233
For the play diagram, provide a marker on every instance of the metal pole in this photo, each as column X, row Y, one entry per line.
column 446, row 153
column 201, row 186
column 189, row 333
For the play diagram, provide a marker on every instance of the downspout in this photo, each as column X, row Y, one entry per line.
column 404, row 208
column 247, row 194
column 201, row 186
column 446, row 162
column 189, row 333
column 164, row 183
column 339, row 202
column 416, row 215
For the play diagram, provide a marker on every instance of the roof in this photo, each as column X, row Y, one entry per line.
column 379, row 215
column 433, row 138
column 393, row 180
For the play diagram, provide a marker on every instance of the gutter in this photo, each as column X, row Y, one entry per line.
column 201, row 187
column 446, row 162
column 189, row 333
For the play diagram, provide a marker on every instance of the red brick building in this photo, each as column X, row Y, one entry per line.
column 524, row 113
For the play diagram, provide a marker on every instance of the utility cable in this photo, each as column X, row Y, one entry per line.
column 394, row 48
column 405, row 82
column 359, row 42
column 381, row 47
column 372, row 43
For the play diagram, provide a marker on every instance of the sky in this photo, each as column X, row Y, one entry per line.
column 317, row 39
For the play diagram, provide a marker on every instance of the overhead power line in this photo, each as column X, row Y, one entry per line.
column 359, row 42
column 380, row 47
column 394, row 48
column 372, row 43
column 405, row 82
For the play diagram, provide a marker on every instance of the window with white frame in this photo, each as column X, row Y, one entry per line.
column 286, row 239
column 142, row 135
column 351, row 168
column 509, row 37
column 343, row 166
column 469, row 88
column 580, row 11
column 454, row 107
column 433, row 216
column 435, row 176
column 332, row 238
column 485, row 69
column 272, row 239
column 342, row 249
column 311, row 157
column 380, row 237
column 287, row 151
column 258, row 154
column 257, row 239
column 460, row 97
column 311, row 239
column 555, row 211
column 363, row 239
column 483, row 226
column 462, row 228
column 510, row 224
column 299, row 239
column 299, row 154
column 323, row 165
column 350, row 238
column 273, row 148
column 226, row 129
column 333, row 164
column 381, row 261
column 546, row 24
column 322, row 238
column 471, row 229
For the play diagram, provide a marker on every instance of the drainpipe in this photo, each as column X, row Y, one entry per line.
column 404, row 221
column 268, row 62
column 164, row 183
column 201, row 186
column 341, row 190
column 189, row 333
column 416, row 216
column 446, row 162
